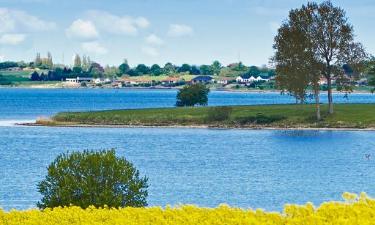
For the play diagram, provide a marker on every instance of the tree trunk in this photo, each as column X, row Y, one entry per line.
column 330, row 99
column 317, row 103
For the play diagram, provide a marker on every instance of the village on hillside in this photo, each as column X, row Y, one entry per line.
column 42, row 72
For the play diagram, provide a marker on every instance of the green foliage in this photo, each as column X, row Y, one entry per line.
column 156, row 70
column 191, row 95
column 92, row 178
column 142, row 69
column 35, row 76
column 185, row 68
column 124, row 68
column 253, row 71
column 7, row 65
column 4, row 81
column 220, row 113
column 216, row 67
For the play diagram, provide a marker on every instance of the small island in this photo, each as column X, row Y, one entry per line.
column 346, row 116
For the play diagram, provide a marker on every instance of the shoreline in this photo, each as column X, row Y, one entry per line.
column 198, row 127
column 49, row 87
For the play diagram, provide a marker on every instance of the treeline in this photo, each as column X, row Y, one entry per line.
column 46, row 70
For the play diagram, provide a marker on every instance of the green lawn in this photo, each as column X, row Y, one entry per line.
column 281, row 116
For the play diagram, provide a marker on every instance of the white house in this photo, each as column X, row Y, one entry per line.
column 251, row 79
column 78, row 79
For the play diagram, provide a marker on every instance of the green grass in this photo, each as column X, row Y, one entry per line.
column 280, row 116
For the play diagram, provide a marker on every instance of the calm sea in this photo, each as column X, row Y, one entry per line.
column 244, row 168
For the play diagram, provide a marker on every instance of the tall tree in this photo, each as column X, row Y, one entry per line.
column 216, row 67
column 330, row 37
column 296, row 67
column 124, row 67
column 77, row 61
column 49, row 60
column 38, row 60
column 333, row 39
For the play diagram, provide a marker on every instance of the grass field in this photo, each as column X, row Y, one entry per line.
column 278, row 116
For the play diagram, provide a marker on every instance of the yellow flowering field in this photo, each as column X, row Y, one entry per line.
column 355, row 210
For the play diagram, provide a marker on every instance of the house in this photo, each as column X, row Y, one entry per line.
column 202, row 80
column 79, row 79
column 128, row 81
column 170, row 80
column 225, row 80
column 102, row 80
column 245, row 79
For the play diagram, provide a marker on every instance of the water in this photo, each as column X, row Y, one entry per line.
column 29, row 104
column 244, row 168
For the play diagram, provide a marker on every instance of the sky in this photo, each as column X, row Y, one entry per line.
column 156, row 31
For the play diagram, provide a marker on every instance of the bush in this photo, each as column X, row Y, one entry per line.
column 195, row 94
column 260, row 118
column 220, row 113
column 92, row 178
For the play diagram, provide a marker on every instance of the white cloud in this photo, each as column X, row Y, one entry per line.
column 114, row 24
column 82, row 30
column 142, row 22
column 19, row 21
column 152, row 39
column 94, row 47
column 12, row 39
column 150, row 51
column 179, row 30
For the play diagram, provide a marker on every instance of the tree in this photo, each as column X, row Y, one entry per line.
column 206, row 70
column 77, row 61
column 111, row 71
column 92, row 178
column 216, row 67
column 96, row 70
column 124, row 67
column 38, row 60
column 169, row 68
column 142, row 69
column 185, row 68
column 195, row 71
column 191, row 95
column 253, row 71
column 296, row 67
column 371, row 74
column 331, row 39
column 156, row 70
column 86, row 62
column 49, row 62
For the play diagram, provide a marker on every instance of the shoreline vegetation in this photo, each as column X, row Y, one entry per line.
column 347, row 116
column 353, row 210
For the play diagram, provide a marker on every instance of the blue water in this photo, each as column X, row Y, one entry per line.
column 33, row 103
column 244, row 168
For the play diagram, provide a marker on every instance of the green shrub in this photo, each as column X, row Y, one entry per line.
column 92, row 178
column 191, row 95
column 220, row 113
column 259, row 118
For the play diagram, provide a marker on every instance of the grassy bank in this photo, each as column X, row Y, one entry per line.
column 277, row 116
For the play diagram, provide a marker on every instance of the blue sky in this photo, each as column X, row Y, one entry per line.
column 156, row 31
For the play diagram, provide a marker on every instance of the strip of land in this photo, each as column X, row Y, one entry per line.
column 346, row 116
